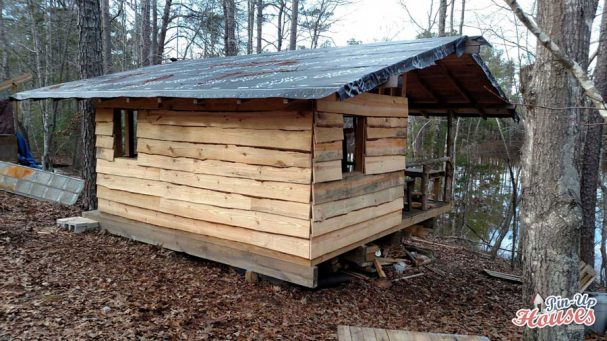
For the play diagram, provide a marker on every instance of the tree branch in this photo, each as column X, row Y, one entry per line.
column 585, row 82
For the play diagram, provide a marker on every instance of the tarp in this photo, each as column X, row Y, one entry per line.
column 7, row 123
column 302, row 74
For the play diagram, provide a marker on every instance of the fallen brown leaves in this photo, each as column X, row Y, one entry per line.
column 55, row 284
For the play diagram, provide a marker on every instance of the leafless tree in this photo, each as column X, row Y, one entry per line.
column 89, row 23
column 294, row 23
column 229, row 10
column 550, row 211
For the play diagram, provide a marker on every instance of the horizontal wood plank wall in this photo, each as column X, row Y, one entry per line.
column 349, row 208
column 242, row 176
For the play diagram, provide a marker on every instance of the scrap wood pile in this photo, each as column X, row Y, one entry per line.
column 57, row 284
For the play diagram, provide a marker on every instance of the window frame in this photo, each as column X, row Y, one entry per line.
column 359, row 128
column 125, row 133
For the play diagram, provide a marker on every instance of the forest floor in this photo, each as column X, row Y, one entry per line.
column 56, row 284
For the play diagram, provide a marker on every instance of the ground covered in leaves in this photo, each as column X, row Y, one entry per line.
column 54, row 284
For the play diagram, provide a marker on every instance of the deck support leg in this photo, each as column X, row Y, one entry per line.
column 449, row 165
column 425, row 181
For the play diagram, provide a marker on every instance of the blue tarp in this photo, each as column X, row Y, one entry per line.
column 25, row 154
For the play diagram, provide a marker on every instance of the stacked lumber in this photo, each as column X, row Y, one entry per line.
column 351, row 208
column 243, row 177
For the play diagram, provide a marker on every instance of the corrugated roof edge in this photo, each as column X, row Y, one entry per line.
column 420, row 61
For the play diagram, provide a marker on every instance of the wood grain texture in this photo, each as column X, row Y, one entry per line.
column 382, row 147
column 228, row 169
column 341, row 207
column 328, row 151
column 365, row 104
column 355, row 217
column 384, row 164
column 259, row 221
column 327, row 171
column 386, row 122
column 291, row 245
column 279, row 139
column 356, row 184
column 225, row 152
column 346, row 236
column 279, row 120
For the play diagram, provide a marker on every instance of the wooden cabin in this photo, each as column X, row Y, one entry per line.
column 278, row 162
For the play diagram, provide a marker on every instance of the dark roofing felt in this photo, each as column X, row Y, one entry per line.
column 302, row 74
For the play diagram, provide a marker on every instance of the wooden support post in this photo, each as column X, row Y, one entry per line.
column 424, row 189
column 449, row 165
column 436, row 188
column 409, row 192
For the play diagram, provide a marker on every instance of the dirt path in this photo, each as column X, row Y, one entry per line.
column 56, row 284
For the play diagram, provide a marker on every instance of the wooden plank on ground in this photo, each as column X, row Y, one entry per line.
column 351, row 333
column 327, row 171
column 223, row 152
column 279, row 139
column 365, row 104
column 280, row 120
column 274, row 264
column 259, row 221
column 228, row 169
column 504, row 276
column 384, row 164
column 294, row 246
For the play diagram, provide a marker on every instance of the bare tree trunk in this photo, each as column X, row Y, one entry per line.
column 550, row 210
column 604, row 236
column 593, row 144
column 250, row 25
column 279, row 28
column 259, row 6
column 107, row 36
column 4, row 69
column 154, row 39
column 164, row 27
column 293, row 34
column 442, row 17
column 451, row 27
column 89, row 23
column 229, row 9
column 461, row 18
column 145, row 33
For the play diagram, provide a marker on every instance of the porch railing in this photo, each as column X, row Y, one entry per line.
column 432, row 171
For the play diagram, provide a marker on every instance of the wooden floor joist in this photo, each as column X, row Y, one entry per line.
column 283, row 267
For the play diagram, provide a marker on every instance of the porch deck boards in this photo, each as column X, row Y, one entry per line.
column 416, row 215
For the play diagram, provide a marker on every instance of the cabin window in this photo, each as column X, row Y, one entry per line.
column 353, row 144
column 125, row 133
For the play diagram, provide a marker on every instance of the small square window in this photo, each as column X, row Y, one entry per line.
column 353, row 144
column 125, row 133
